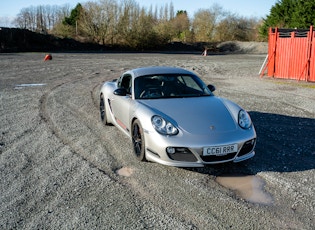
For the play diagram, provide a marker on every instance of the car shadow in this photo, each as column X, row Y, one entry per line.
column 284, row 144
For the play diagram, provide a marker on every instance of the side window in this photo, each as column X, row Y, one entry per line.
column 190, row 82
column 125, row 82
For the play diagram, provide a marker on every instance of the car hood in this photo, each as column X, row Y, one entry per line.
column 195, row 115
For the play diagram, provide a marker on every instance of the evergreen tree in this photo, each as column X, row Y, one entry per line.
column 74, row 16
column 290, row 14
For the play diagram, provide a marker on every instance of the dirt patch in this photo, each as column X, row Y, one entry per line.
column 250, row 188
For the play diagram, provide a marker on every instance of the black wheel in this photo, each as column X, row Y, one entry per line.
column 103, row 111
column 138, row 140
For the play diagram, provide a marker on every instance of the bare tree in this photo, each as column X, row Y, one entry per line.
column 51, row 15
column 181, row 26
column 99, row 19
column 203, row 26
column 234, row 27
column 90, row 21
column 205, row 21
column 40, row 18
column 40, row 21
column 129, row 14
column 171, row 11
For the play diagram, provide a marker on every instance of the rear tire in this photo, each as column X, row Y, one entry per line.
column 138, row 140
column 103, row 111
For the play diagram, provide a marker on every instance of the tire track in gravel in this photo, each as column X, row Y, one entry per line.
column 44, row 114
column 13, row 111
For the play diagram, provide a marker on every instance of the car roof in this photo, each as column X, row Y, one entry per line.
column 152, row 70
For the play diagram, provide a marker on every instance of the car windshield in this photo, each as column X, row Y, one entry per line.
column 169, row 86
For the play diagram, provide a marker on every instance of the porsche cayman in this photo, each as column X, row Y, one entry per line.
column 173, row 118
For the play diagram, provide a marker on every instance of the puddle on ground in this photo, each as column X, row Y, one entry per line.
column 21, row 86
column 125, row 171
column 250, row 188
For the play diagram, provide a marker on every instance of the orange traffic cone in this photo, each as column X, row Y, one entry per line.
column 48, row 57
column 204, row 53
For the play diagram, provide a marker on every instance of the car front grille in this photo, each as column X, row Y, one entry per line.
column 184, row 154
column 214, row 158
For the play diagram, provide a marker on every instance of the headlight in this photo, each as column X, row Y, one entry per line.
column 244, row 120
column 163, row 126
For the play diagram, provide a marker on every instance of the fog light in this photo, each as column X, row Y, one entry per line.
column 170, row 150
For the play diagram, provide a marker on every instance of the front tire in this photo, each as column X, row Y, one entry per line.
column 138, row 140
column 103, row 111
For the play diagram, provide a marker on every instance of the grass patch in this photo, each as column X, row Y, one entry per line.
column 297, row 83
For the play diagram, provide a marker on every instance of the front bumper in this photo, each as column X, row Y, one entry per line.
column 191, row 155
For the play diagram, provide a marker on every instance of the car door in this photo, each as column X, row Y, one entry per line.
column 121, row 104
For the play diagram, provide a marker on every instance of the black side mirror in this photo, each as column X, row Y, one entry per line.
column 120, row 92
column 211, row 87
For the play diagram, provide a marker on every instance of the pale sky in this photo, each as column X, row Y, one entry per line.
column 248, row 8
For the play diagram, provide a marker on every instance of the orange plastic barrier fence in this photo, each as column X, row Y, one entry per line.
column 291, row 54
column 312, row 60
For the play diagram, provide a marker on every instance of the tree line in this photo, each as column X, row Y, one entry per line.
column 126, row 23
column 41, row 18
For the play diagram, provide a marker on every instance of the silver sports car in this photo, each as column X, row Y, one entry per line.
column 173, row 118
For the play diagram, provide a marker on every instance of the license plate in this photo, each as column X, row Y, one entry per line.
column 220, row 150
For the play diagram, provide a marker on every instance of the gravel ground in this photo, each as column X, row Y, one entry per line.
column 60, row 168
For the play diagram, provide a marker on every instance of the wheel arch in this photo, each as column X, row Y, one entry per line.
column 107, row 108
